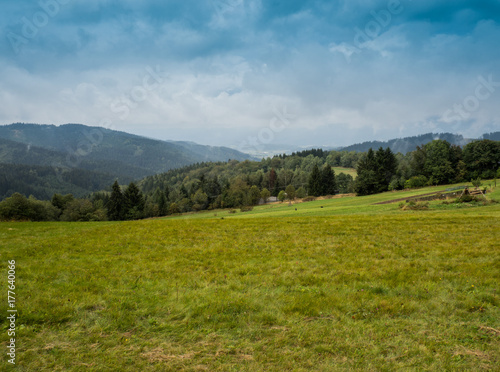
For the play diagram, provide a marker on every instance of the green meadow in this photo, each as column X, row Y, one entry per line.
column 329, row 285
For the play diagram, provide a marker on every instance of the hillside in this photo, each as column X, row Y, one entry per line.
column 408, row 144
column 93, row 153
column 43, row 181
column 84, row 143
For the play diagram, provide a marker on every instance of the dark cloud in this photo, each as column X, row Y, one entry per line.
column 230, row 62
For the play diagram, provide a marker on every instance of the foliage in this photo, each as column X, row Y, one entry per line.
column 301, row 192
column 290, row 192
column 416, row 182
column 482, row 158
column 328, row 181
column 282, row 196
column 476, row 183
column 116, row 209
column 265, row 194
column 19, row 208
column 133, row 203
column 414, row 206
column 79, row 210
column 345, row 183
column 315, row 186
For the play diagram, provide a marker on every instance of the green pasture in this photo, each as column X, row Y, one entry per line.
column 350, row 286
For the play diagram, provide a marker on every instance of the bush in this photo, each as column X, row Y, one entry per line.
column 301, row 192
column 416, row 182
column 309, row 199
column 79, row 210
column 20, row 208
column 246, row 208
column 414, row 206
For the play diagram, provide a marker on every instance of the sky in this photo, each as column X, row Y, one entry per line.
column 248, row 73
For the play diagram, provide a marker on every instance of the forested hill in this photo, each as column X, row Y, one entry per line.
column 495, row 136
column 78, row 159
column 408, row 144
column 80, row 143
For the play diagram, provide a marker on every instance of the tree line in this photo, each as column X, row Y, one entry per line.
column 236, row 184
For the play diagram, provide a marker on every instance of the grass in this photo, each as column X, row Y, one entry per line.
column 351, row 171
column 347, row 206
column 376, row 289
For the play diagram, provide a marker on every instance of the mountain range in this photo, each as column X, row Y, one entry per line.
column 102, row 154
column 40, row 159
column 408, row 144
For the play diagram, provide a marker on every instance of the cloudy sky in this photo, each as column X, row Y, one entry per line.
column 235, row 72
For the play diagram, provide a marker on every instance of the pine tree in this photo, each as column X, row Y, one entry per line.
column 162, row 204
column 315, row 186
column 115, row 204
column 328, row 182
column 133, row 202
column 386, row 167
column 366, row 181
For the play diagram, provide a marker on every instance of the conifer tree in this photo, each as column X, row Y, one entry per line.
column 366, row 181
column 115, row 205
column 315, row 186
column 328, row 182
column 133, row 202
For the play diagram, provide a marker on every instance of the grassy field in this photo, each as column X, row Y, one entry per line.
column 348, row 206
column 351, row 171
column 350, row 286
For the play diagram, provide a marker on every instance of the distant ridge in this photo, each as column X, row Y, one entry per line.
column 100, row 154
column 78, row 145
column 408, row 144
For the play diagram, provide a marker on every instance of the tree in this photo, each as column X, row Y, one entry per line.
column 265, row 194
column 200, row 199
column 482, row 158
column 254, row 195
column 290, row 192
column 174, row 209
column 281, row 196
column 18, row 207
column 162, row 205
column 237, row 195
column 272, row 180
column 328, row 182
column 133, row 202
column 345, row 183
column 438, row 166
column 115, row 205
column 83, row 210
column 60, row 201
column 315, row 187
column 386, row 167
column 301, row 192
column 367, row 180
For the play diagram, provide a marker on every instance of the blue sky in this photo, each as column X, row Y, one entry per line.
column 235, row 72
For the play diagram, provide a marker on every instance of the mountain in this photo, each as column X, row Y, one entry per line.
column 80, row 143
column 43, row 181
column 495, row 136
column 100, row 154
column 408, row 144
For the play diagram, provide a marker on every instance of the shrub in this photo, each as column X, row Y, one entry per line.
column 20, row 208
column 301, row 192
column 416, row 182
column 414, row 206
column 309, row 199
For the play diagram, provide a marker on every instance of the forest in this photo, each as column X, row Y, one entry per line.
column 243, row 184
